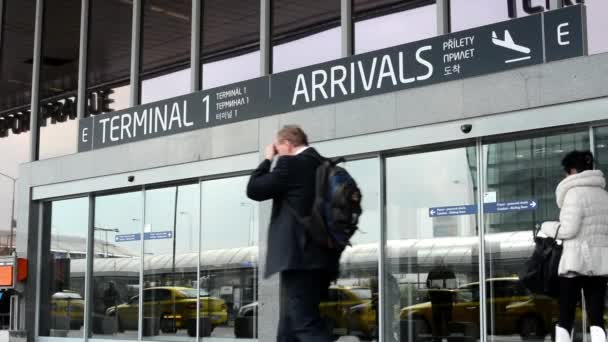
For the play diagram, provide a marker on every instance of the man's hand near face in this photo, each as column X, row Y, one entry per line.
column 271, row 151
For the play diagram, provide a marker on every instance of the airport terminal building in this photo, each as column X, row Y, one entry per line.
column 128, row 130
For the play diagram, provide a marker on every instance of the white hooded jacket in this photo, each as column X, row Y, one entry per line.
column 583, row 224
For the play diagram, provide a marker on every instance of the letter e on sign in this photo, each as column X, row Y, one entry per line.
column 564, row 33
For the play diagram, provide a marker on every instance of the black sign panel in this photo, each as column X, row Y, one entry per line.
column 564, row 33
column 468, row 53
column 218, row 106
column 483, row 50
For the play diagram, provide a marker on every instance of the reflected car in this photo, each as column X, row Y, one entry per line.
column 515, row 310
column 174, row 307
column 67, row 310
column 335, row 311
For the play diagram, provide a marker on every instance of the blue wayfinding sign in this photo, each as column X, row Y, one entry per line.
column 158, row 235
column 127, row 237
column 489, row 208
column 500, row 207
column 453, row 211
column 147, row 236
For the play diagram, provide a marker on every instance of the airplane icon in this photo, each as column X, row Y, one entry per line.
column 510, row 44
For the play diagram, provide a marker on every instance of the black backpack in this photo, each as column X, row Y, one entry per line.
column 336, row 208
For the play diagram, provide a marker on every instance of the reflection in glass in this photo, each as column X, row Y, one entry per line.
column 115, row 285
column 171, row 231
column 352, row 306
column 228, row 260
column 297, row 53
column 522, row 170
column 395, row 29
column 432, row 259
column 62, row 290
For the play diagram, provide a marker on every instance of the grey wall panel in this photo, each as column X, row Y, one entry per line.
column 237, row 138
column 574, row 79
column 366, row 115
column 319, row 123
column 415, row 107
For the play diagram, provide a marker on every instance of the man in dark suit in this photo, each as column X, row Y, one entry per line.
column 306, row 269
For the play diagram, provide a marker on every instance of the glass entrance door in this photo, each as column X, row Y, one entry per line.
column 431, row 266
column 521, row 176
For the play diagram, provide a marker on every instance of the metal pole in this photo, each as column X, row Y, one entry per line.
column 88, row 278
column 35, row 106
column 481, row 227
column 195, row 47
column 265, row 37
column 81, row 97
column 135, row 98
column 348, row 43
column 443, row 17
column 175, row 227
column 382, row 295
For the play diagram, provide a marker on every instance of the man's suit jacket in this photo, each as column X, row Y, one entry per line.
column 291, row 181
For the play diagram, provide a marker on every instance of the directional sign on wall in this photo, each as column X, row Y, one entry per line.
column 479, row 51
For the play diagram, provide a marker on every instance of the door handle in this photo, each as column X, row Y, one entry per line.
column 471, row 307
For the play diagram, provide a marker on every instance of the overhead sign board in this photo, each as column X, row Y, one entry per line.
column 488, row 49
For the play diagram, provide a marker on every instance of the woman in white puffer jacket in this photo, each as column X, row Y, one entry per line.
column 583, row 227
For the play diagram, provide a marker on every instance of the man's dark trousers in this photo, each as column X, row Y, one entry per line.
column 301, row 294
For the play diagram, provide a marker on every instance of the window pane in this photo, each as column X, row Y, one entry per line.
column 229, row 259
column 165, row 86
column 109, row 55
column 62, row 297
column 15, row 92
column 230, row 41
column 395, row 28
column 165, row 47
column 352, row 307
column 16, row 61
column 15, row 150
column 305, row 34
column 522, row 170
column 597, row 26
column 466, row 14
column 170, row 256
column 231, row 70
column 115, row 291
column 432, row 259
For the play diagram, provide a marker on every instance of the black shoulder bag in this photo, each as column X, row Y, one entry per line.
column 540, row 272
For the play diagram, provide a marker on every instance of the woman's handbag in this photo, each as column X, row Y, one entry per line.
column 540, row 272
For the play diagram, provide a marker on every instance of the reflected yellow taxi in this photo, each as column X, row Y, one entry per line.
column 513, row 308
column 336, row 309
column 67, row 310
column 174, row 307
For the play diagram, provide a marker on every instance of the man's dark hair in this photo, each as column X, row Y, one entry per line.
column 578, row 160
column 294, row 134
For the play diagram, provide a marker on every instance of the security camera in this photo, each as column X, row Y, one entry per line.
column 466, row 128
column 131, row 178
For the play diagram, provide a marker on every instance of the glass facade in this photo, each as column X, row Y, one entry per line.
column 200, row 251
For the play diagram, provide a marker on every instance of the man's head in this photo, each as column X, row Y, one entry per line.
column 289, row 139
